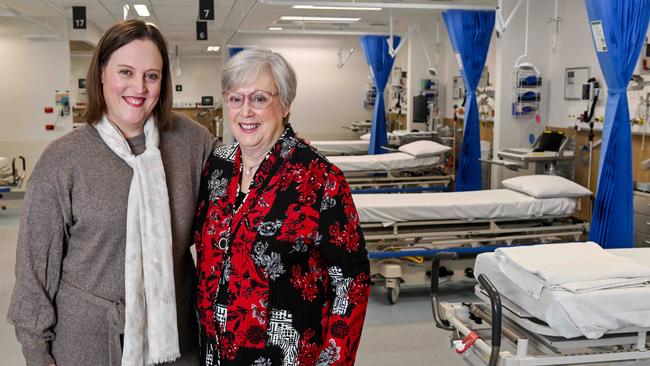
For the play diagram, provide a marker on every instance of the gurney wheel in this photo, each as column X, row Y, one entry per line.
column 392, row 294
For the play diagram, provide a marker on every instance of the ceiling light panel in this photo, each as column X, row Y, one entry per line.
column 320, row 19
column 324, row 7
column 142, row 10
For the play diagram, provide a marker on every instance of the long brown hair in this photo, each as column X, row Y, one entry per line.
column 118, row 35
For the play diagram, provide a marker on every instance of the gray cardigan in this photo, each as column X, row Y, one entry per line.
column 70, row 254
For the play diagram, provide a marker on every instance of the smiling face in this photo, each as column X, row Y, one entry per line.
column 256, row 129
column 131, row 81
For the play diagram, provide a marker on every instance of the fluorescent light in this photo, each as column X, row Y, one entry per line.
column 125, row 12
column 274, row 28
column 324, row 7
column 320, row 19
column 213, row 48
column 142, row 10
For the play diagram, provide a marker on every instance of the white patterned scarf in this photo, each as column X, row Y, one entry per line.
column 150, row 330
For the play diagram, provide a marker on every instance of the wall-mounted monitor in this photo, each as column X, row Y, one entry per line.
column 420, row 108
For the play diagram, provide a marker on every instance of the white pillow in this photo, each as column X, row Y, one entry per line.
column 424, row 148
column 546, row 186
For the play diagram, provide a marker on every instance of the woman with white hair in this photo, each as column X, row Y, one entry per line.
column 283, row 270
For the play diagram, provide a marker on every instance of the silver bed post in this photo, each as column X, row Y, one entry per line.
column 641, row 340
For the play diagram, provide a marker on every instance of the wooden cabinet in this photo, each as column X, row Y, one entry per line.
column 641, row 219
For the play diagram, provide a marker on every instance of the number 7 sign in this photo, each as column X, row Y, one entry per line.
column 206, row 9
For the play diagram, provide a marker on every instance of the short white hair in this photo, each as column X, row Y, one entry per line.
column 248, row 64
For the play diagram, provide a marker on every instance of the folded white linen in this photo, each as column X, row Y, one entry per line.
column 604, row 284
column 5, row 167
column 576, row 267
column 589, row 314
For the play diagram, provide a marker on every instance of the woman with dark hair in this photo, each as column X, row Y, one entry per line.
column 283, row 269
column 104, row 274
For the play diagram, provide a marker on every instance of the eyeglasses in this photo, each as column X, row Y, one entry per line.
column 258, row 99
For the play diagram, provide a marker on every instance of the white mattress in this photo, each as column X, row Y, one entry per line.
column 356, row 147
column 589, row 314
column 576, row 267
column 496, row 203
column 382, row 162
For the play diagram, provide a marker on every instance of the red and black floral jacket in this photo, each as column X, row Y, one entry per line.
column 289, row 264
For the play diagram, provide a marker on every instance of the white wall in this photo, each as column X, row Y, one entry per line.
column 32, row 71
column 512, row 131
column 328, row 98
column 417, row 58
column 575, row 49
column 200, row 76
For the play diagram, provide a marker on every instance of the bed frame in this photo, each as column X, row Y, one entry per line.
column 17, row 177
column 400, row 254
column 398, row 181
column 479, row 330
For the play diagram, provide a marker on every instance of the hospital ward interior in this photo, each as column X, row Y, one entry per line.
column 495, row 151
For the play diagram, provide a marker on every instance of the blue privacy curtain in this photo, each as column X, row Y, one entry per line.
column 619, row 28
column 470, row 32
column 234, row 50
column 376, row 50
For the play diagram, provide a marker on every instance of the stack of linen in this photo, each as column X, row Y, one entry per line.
column 5, row 172
column 578, row 289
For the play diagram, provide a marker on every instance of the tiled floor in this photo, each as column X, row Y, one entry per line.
column 400, row 334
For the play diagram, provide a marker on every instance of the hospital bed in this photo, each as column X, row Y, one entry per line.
column 341, row 147
column 360, row 127
column 401, row 137
column 416, row 164
column 401, row 230
column 11, row 180
column 360, row 146
column 567, row 324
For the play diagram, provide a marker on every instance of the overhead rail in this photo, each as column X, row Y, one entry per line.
column 412, row 6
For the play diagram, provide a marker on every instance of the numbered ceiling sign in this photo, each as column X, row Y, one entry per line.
column 79, row 17
column 201, row 31
column 206, row 9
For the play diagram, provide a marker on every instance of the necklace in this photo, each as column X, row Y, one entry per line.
column 248, row 169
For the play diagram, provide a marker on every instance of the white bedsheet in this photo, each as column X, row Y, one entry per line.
column 574, row 267
column 382, row 162
column 356, row 147
column 5, row 166
column 589, row 314
column 488, row 204
column 5, row 172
